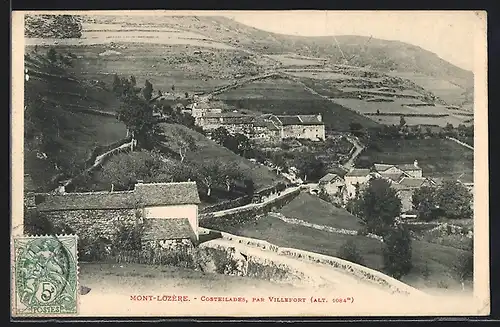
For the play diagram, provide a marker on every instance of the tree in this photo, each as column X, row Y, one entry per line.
column 397, row 252
column 123, row 171
column 220, row 135
column 230, row 174
column 249, row 187
column 117, row 85
column 147, row 91
column 454, row 199
column 348, row 251
column 209, row 174
column 311, row 168
column 133, row 81
column 424, row 202
column 52, row 55
column 402, row 121
column 186, row 95
column 183, row 142
column 137, row 115
column 378, row 206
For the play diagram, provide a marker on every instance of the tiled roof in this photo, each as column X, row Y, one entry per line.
column 310, row 119
column 396, row 177
column 156, row 194
column 382, row 167
column 409, row 182
column 358, row 172
column 94, row 200
column 167, row 229
column 406, row 167
column 299, row 120
column 328, row 178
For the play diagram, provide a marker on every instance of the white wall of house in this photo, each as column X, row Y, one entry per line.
column 189, row 211
column 312, row 132
column 356, row 179
column 417, row 173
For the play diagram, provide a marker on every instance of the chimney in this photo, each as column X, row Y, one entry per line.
column 415, row 163
column 319, row 117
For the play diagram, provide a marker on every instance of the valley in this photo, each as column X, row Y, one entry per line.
column 378, row 108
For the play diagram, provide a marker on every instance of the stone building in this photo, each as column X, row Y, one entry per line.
column 309, row 127
column 406, row 187
column 167, row 211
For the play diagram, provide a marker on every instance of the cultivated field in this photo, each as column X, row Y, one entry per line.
column 438, row 158
column 449, row 92
column 282, row 96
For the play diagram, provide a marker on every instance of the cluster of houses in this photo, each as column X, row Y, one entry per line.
column 263, row 127
column 404, row 178
column 266, row 126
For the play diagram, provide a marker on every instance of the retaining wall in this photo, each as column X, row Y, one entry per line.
column 354, row 269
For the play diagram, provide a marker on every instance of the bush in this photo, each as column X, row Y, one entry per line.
column 397, row 252
column 348, row 251
column 464, row 266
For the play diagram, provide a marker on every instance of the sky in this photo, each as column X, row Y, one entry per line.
column 449, row 34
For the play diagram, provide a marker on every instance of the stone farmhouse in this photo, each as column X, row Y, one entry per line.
column 404, row 178
column 267, row 127
column 168, row 212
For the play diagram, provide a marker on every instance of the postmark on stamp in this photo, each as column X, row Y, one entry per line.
column 46, row 275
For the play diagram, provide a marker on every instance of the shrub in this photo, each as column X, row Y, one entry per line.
column 348, row 251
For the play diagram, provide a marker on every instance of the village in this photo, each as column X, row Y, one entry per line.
column 265, row 171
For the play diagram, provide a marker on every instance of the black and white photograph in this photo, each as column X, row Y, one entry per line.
column 244, row 163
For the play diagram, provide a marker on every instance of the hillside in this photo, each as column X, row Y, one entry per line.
column 209, row 150
column 59, row 133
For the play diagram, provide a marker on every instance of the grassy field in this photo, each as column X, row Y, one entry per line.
column 209, row 150
column 76, row 133
column 282, row 96
column 438, row 157
column 433, row 264
column 311, row 208
column 190, row 68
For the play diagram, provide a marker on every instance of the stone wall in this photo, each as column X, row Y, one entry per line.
column 359, row 271
column 231, row 219
column 93, row 224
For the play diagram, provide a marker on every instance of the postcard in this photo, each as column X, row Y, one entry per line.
column 243, row 163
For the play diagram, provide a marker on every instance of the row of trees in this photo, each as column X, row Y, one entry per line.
column 124, row 170
column 415, row 131
column 450, row 199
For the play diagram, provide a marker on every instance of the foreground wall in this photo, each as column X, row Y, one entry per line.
column 361, row 272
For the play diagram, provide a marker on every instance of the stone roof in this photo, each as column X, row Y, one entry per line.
column 157, row 194
column 154, row 194
column 358, row 172
column 167, row 229
column 409, row 182
column 88, row 201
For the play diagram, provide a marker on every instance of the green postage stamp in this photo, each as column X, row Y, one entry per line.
column 46, row 275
